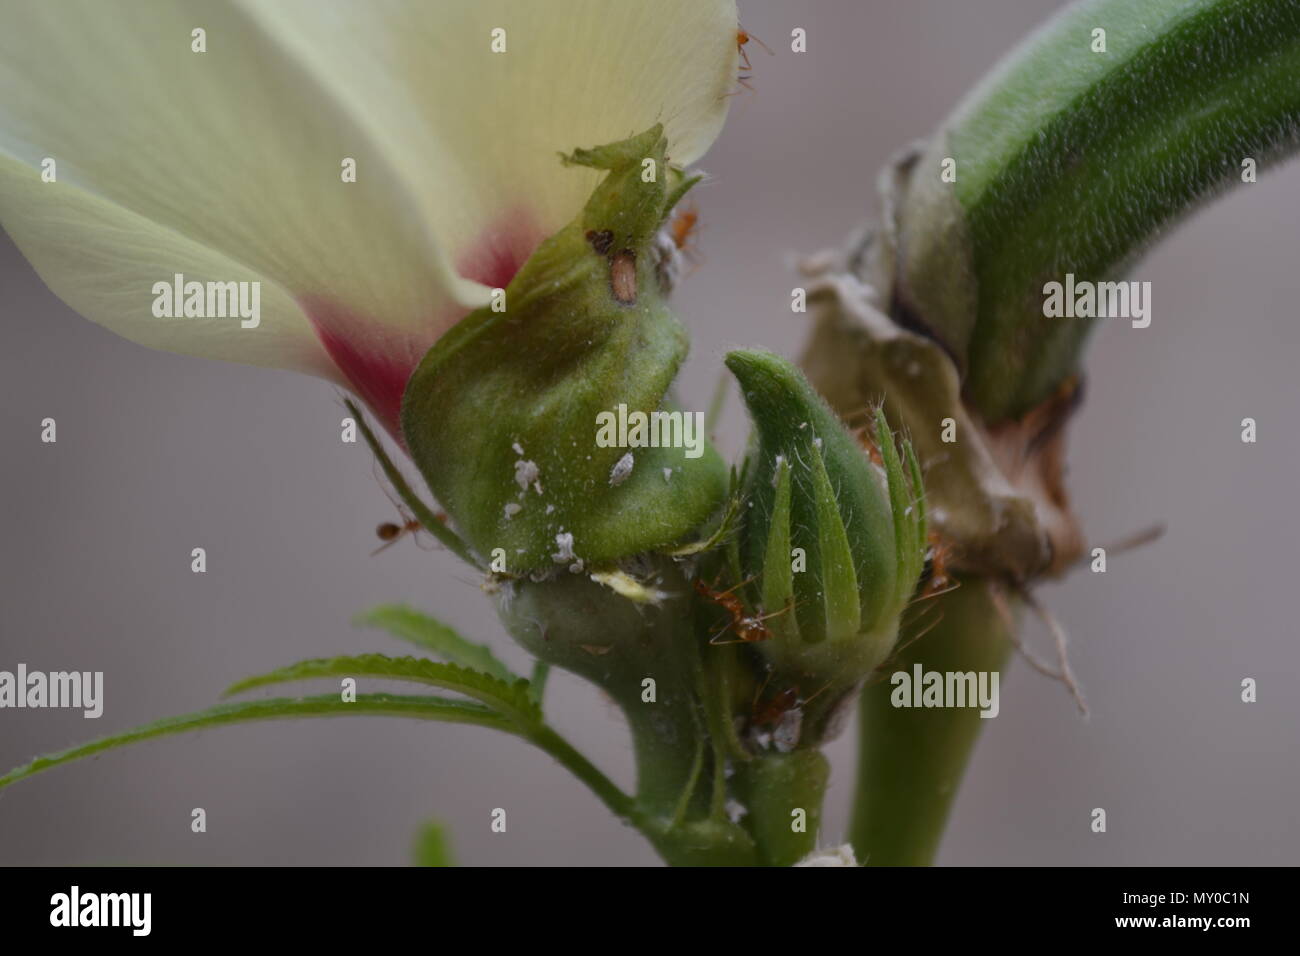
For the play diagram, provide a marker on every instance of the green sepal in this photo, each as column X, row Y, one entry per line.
column 839, row 582
column 536, row 376
column 778, row 571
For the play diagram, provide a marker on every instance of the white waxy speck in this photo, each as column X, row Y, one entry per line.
column 512, row 509
column 518, row 449
column 776, row 471
column 833, row 856
column 668, row 474
column 622, row 468
column 526, row 473
column 564, row 541
column 735, row 810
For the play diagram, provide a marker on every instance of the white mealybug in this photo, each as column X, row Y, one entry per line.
column 622, row 468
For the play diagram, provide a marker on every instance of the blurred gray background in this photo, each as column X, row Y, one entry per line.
column 158, row 454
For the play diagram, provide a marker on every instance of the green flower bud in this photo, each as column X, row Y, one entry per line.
column 834, row 544
column 502, row 416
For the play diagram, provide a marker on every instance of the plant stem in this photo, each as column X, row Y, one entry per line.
column 619, row 803
column 911, row 760
column 784, row 795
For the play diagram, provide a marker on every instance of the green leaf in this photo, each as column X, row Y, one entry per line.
column 327, row 705
column 420, row 629
column 513, row 700
column 433, row 846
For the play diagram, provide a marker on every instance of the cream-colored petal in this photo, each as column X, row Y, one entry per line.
column 104, row 261
column 478, row 131
column 237, row 150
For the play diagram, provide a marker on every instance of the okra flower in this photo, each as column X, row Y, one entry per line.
column 378, row 168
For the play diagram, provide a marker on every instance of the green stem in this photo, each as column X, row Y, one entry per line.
column 911, row 760
column 784, row 795
column 1070, row 160
column 628, row 649
column 619, row 803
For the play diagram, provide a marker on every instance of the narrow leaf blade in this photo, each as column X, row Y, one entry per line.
column 327, row 705
column 431, row 634
column 511, row 699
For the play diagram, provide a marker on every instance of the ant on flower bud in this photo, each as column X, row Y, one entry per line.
column 749, row 628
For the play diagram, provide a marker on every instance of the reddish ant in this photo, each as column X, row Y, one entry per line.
column 742, row 37
column 938, row 579
column 778, row 721
column 390, row 532
column 684, row 226
column 683, row 229
column 765, row 713
column 749, row 628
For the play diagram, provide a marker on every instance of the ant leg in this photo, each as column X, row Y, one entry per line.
column 744, row 82
column 384, row 547
column 790, row 606
column 713, row 641
column 808, row 700
column 736, row 587
column 767, row 49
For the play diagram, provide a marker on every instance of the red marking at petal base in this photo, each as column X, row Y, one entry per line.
column 376, row 360
column 501, row 250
